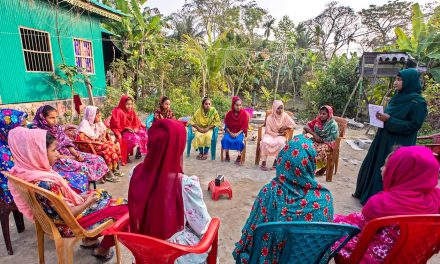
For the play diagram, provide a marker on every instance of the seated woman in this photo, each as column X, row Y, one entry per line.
column 71, row 160
column 163, row 202
column 10, row 119
column 324, row 130
column 205, row 119
column 125, row 123
column 164, row 111
column 410, row 178
column 293, row 195
column 274, row 137
column 236, row 126
column 92, row 129
column 35, row 153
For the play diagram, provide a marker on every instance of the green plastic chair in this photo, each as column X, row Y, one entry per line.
column 305, row 242
column 191, row 136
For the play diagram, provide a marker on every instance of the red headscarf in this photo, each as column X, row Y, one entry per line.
column 155, row 198
column 122, row 118
column 318, row 121
column 235, row 123
column 409, row 185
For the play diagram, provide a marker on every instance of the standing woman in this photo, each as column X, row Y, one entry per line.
column 274, row 137
column 324, row 130
column 71, row 160
column 236, row 126
column 403, row 118
column 164, row 111
column 125, row 122
column 205, row 119
column 92, row 129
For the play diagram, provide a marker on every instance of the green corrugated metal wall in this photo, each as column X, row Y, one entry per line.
column 19, row 86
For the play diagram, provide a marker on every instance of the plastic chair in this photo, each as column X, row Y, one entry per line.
column 333, row 156
column 418, row 241
column 148, row 250
column 243, row 152
column 191, row 135
column 306, row 242
column 45, row 225
column 289, row 136
column 434, row 146
column 5, row 210
column 122, row 143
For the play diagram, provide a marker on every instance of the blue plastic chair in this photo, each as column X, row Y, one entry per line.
column 306, row 242
column 149, row 121
column 191, row 136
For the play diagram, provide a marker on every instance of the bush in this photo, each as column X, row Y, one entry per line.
column 333, row 86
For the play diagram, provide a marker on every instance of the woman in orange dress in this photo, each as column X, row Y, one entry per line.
column 92, row 130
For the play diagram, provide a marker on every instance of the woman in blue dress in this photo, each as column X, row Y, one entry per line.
column 236, row 126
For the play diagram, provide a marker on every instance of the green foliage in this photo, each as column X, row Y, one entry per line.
column 332, row 86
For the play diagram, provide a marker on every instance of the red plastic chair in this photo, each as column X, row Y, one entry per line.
column 419, row 239
column 122, row 143
column 148, row 250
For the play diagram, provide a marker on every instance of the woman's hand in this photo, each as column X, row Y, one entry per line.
column 92, row 198
column 129, row 130
column 318, row 139
column 382, row 116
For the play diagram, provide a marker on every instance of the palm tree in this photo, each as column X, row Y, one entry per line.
column 268, row 26
column 304, row 38
column 186, row 24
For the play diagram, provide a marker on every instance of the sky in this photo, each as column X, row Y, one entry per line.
column 278, row 8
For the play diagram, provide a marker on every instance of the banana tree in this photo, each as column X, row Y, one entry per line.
column 423, row 43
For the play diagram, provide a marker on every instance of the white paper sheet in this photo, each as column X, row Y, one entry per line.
column 372, row 110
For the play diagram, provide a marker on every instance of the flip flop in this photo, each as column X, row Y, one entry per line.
column 119, row 174
column 105, row 258
column 204, row 157
column 112, row 179
column 199, row 157
column 264, row 168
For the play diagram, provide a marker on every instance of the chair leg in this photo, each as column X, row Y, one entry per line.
column 329, row 168
column 257, row 154
column 19, row 221
column 243, row 154
column 222, row 155
column 336, row 162
column 61, row 250
column 69, row 244
column 40, row 242
column 212, row 256
column 4, row 218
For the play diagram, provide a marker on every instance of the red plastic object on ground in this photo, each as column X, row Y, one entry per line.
column 122, row 143
column 419, row 239
column 148, row 250
column 224, row 188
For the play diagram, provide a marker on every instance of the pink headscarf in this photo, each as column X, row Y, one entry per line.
column 29, row 150
column 274, row 121
column 409, row 185
column 88, row 126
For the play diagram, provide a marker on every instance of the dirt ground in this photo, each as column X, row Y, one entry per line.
column 246, row 182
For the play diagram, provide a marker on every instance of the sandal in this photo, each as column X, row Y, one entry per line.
column 204, row 157
column 104, row 258
column 119, row 174
column 238, row 160
column 112, row 179
column 199, row 157
column 264, row 168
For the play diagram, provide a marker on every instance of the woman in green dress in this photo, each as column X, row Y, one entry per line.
column 403, row 117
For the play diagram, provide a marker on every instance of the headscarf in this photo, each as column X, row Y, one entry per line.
column 122, row 118
column 57, row 131
column 163, row 113
column 235, row 123
column 293, row 195
column 274, row 121
column 409, row 185
column 9, row 119
column 32, row 165
column 327, row 130
column 202, row 119
column 88, row 126
column 411, row 91
column 155, row 194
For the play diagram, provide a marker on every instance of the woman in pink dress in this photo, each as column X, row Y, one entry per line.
column 274, row 137
column 126, row 124
column 410, row 178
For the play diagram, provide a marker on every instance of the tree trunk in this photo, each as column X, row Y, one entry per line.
column 89, row 92
column 72, row 105
column 162, row 76
column 204, row 82
column 277, row 80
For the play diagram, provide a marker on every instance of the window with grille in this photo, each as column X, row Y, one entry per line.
column 36, row 50
column 84, row 55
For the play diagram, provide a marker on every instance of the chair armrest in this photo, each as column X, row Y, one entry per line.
column 99, row 229
column 119, row 226
column 210, row 235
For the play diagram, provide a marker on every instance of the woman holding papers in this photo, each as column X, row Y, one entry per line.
column 402, row 119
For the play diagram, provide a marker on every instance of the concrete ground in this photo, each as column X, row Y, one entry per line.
column 246, row 182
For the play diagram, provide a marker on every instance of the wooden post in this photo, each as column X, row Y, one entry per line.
column 89, row 92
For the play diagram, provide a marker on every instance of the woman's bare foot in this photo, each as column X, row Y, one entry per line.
column 227, row 159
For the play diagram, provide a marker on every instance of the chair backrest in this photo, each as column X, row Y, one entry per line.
column 149, row 250
column 71, row 131
column 148, row 121
column 342, row 125
column 418, row 241
column 29, row 193
column 305, row 242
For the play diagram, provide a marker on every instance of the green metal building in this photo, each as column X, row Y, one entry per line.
column 35, row 35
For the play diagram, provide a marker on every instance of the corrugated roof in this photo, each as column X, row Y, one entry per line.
column 98, row 8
